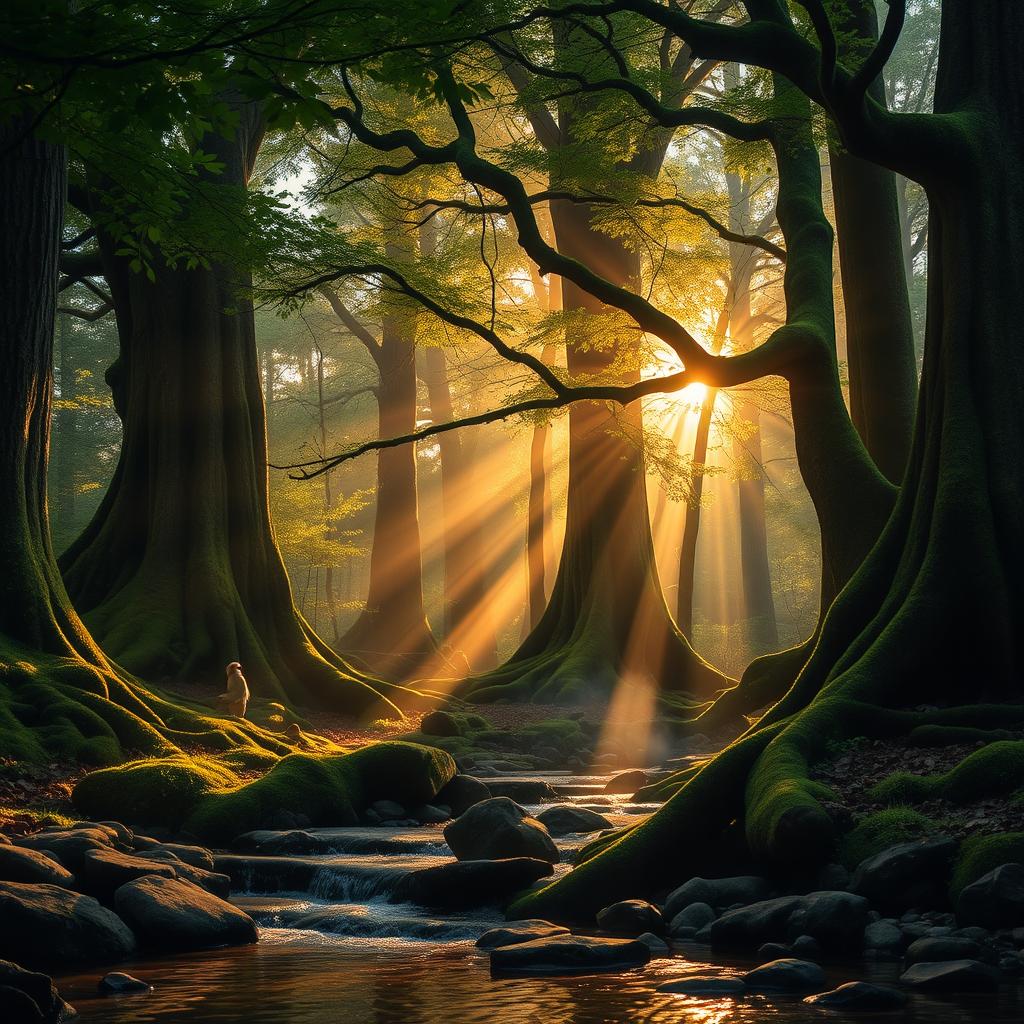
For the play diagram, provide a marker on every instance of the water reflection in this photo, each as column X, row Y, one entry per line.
column 313, row 979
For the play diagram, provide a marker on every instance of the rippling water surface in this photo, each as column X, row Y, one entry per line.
column 339, row 953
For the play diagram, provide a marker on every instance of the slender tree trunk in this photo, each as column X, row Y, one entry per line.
column 329, row 596
column 178, row 572
column 469, row 625
column 391, row 634
column 65, row 423
column 879, row 331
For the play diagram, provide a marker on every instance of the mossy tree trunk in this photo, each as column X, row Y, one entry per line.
column 949, row 562
column 178, row 572
column 879, row 331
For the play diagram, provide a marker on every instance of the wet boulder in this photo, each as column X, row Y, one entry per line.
column 461, row 793
column 717, row 892
column 45, row 925
column 626, row 782
column 118, row 984
column 527, row 791
column 884, row 939
column 996, row 900
column 788, row 975
column 519, row 931
column 859, row 995
column 497, row 829
column 835, row 919
column 951, row 976
column 103, row 871
column 566, row 820
column 70, row 845
column 934, row 949
column 197, row 856
column 631, row 918
column 27, row 996
column 693, row 918
column 465, row 884
column 172, row 914
column 21, row 865
column 569, row 954
column 914, row 874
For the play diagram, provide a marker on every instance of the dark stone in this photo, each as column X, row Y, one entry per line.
column 197, row 856
column 527, row 791
column 773, row 951
column 44, row 925
column 884, row 938
column 103, row 871
column 117, row 984
column 569, row 954
column 859, row 995
column 627, row 782
column 21, row 865
column 907, row 875
column 835, row 919
column 497, row 829
column 29, row 996
column 787, row 975
column 172, row 914
column 711, row 988
column 440, row 723
column 70, row 846
column 428, row 814
column 805, row 946
column 519, row 931
column 469, row 883
column 566, row 819
column 996, row 900
column 657, row 945
column 388, row 810
column 631, row 918
column 951, row 976
column 716, row 892
column 462, row 792
column 695, row 916
column 945, row 947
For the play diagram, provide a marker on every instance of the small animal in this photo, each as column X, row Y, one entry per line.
column 236, row 698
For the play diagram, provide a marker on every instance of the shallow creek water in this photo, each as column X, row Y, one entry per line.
column 333, row 949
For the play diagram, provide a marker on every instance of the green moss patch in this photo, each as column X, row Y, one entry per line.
column 207, row 797
column 981, row 854
column 877, row 832
column 995, row 770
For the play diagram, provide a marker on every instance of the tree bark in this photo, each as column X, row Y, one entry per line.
column 469, row 625
column 391, row 634
column 178, row 572
column 879, row 330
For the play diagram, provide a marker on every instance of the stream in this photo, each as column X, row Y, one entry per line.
column 333, row 949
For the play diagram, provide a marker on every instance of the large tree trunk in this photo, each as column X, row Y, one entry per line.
column 60, row 697
column 469, row 626
column 391, row 633
column 607, row 619
column 879, row 331
column 936, row 612
column 178, row 573
column 65, row 423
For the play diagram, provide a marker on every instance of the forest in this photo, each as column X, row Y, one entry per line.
column 511, row 510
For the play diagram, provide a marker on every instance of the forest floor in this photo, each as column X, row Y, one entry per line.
column 861, row 765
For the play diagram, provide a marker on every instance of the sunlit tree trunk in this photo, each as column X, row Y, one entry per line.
column 329, row 596
column 469, row 625
column 178, row 572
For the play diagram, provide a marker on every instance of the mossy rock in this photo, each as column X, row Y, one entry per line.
column 995, row 770
column 883, row 829
column 206, row 797
column 982, row 854
column 954, row 735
